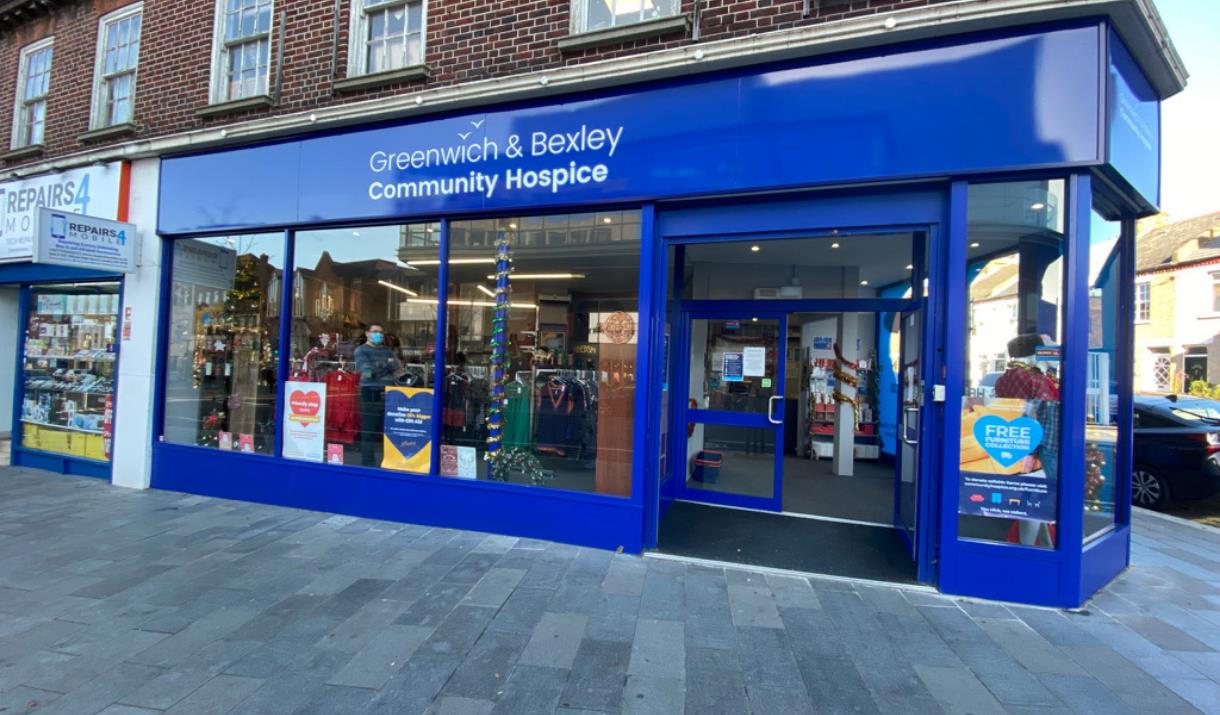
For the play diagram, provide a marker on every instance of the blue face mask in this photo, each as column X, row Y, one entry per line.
column 376, row 338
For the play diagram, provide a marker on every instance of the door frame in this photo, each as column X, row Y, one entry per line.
column 685, row 415
column 918, row 209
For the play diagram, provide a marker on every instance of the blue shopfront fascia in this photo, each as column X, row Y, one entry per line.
column 982, row 106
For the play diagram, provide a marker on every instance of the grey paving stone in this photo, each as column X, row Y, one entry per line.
column 165, row 690
column 102, row 691
column 1032, row 650
column 598, row 675
column 1083, row 694
column 522, row 611
column 555, row 640
column 646, row 695
column 664, row 593
column 217, row 696
column 339, row 700
column 958, row 691
column 614, row 617
column 625, row 576
column 1203, row 694
column 452, row 705
column 127, row 710
column 658, row 649
column 494, row 587
column 714, row 682
column 385, row 654
column 352, row 635
column 1004, row 676
column 530, row 689
column 434, row 605
column 1134, row 686
column 486, row 666
column 24, row 700
column 1162, row 634
column 754, row 605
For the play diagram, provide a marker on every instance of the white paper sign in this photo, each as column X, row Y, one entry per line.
column 62, row 238
column 92, row 191
column 305, row 420
column 461, row 462
column 755, row 362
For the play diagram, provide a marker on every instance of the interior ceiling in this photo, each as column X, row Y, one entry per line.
column 881, row 258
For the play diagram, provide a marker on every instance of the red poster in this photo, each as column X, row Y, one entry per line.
column 334, row 453
column 224, row 440
column 245, row 443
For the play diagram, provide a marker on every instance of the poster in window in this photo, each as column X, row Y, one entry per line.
column 1008, row 464
column 407, row 437
column 304, row 426
column 732, row 367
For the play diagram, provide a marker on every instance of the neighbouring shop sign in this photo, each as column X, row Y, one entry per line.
column 304, row 420
column 91, row 191
column 62, row 238
column 407, row 444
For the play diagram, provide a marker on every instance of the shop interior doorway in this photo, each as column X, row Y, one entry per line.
column 796, row 439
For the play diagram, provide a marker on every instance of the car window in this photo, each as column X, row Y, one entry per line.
column 1145, row 418
column 1197, row 412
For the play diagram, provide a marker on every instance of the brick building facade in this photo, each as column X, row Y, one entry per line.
column 465, row 42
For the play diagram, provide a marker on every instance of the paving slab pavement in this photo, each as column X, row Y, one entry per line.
column 121, row 601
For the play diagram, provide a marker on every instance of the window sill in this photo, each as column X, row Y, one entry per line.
column 627, row 33
column 24, row 152
column 261, row 101
column 111, row 132
column 381, row 79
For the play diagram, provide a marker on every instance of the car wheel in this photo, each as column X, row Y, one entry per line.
column 1149, row 489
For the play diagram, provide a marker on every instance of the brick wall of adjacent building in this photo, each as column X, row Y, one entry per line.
column 466, row 40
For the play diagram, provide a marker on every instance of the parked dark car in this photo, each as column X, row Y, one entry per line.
column 1177, row 450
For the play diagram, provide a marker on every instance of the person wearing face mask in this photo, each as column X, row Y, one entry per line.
column 378, row 367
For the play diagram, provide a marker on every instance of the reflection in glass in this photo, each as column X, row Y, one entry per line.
column 363, row 326
column 221, row 365
column 540, row 353
column 1101, row 401
column 733, row 460
column 1010, row 430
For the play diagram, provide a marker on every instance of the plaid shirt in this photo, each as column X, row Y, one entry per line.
column 1042, row 396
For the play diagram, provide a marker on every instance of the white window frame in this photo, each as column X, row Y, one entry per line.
column 358, row 35
column 219, row 92
column 580, row 14
column 99, row 118
column 20, row 100
column 1145, row 304
column 1215, row 284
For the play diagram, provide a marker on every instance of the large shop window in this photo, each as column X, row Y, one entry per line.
column 540, row 363
column 1010, row 434
column 363, row 349
column 67, row 403
column 221, row 367
column 1101, row 401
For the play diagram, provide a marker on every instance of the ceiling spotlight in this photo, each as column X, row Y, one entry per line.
column 607, row 219
column 755, row 249
column 513, row 226
column 910, row 267
column 1038, row 206
column 835, row 244
column 542, row 276
column 974, row 244
column 355, row 233
column 864, row 282
column 754, row 320
column 398, row 288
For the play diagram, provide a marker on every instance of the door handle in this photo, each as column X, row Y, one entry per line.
column 906, row 410
column 771, row 410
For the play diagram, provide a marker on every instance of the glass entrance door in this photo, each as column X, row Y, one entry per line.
column 910, row 376
column 734, row 410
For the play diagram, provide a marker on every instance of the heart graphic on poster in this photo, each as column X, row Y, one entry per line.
column 305, row 406
column 1008, row 441
column 408, row 436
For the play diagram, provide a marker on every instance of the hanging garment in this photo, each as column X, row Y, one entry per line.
column 517, row 416
column 342, row 407
column 555, row 406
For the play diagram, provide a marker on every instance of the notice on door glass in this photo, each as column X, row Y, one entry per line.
column 731, row 369
column 755, row 362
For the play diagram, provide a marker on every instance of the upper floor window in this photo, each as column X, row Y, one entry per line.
column 588, row 15
column 118, row 51
column 1143, row 301
column 242, row 61
column 1216, row 292
column 33, row 86
column 386, row 35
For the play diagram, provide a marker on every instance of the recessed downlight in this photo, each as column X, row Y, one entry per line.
column 910, row 267
column 864, row 282
column 974, row 244
column 835, row 244
column 1038, row 206
column 755, row 249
